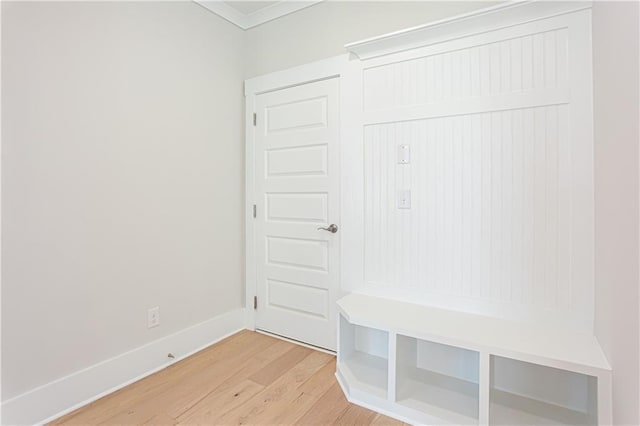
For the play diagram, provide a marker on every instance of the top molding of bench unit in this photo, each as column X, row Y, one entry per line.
column 483, row 20
column 518, row 340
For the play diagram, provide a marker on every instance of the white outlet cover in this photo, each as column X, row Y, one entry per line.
column 404, row 199
column 153, row 317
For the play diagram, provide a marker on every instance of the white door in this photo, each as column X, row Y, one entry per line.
column 296, row 193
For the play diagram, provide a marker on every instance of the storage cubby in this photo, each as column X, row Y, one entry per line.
column 523, row 393
column 364, row 358
column 425, row 365
column 438, row 379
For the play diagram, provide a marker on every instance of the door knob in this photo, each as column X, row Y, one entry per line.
column 333, row 228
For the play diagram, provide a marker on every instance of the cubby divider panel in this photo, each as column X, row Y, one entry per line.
column 364, row 358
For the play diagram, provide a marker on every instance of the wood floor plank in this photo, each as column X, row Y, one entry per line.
column 184, row 394
column 320, row 382
column 327, row 408
column 355, row 415
column 309, row 392
column 382, row 420
column 160, row 419
column 295, row 410
column 278, row 395
column 271, row 372
column 220, row 402
column 293, row 401
column 149, row 387
column 189, row 393
column 248, row 378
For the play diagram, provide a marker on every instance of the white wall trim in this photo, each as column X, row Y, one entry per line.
column 488, row 19
column 52, row 400
column 225, row 11
column 302, row 74
column 266, row 14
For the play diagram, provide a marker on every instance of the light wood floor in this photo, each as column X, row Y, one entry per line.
column 248, row 378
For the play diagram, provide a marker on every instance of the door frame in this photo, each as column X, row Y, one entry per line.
column 334, row 67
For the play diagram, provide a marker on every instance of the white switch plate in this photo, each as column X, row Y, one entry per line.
column 404, row 199
column 153, row 317
column 404, row 154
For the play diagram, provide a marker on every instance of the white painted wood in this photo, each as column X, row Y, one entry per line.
column 500, row 178
column 496, row 109
column 496, row 17
column 297, row 264
column 257, row 17
column 275, row 11
column 364, row 358
column 66, row 394
column 605, row 402
column 512, row 409
column 550, row 346
column 443, row 225
column 484, row 388
column 250, row 240
column 303, row 207
column 281, row 206
column 503, row 67
column 352, row 195
column 392, row 373
column 520, row 373
column 438, row 379
column 297, row 161
column 549, row 385
column 302, row 74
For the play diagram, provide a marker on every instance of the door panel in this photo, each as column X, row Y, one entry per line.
column 298, row 253
column 298, row 207
column 296, row 183
column 304, row 161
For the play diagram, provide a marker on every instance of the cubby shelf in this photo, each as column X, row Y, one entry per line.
column 367, row 372
column 431, row 366
column 364, row 358
column 509, row 409
column 445, row 397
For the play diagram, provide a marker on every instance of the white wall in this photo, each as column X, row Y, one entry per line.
column 322, row 30
column 615, row 53
column 122, row 176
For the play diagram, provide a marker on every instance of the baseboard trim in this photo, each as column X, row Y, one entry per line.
column 52, row 400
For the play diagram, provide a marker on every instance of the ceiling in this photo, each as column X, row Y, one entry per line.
column 248, row 14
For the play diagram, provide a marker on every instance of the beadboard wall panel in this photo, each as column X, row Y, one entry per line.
column 490, row 211
column 529, row 63
column 499, row 128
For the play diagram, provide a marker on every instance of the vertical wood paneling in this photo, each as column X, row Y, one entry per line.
column 565, row 211
column 500, row 219
column 490, row 206
column 532, row 62
column 517, row 246
column 538, row 61
column 485, row 251
column 496, row 205
column 527, row 63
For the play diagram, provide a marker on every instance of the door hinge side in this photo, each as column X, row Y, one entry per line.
column 255, row 211
column 255, row 302
column 255, row 118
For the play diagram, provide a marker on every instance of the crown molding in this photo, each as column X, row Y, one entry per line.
column 499, row 16
column 269, row 13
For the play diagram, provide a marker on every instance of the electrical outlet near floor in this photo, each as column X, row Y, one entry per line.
column 153, row 317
